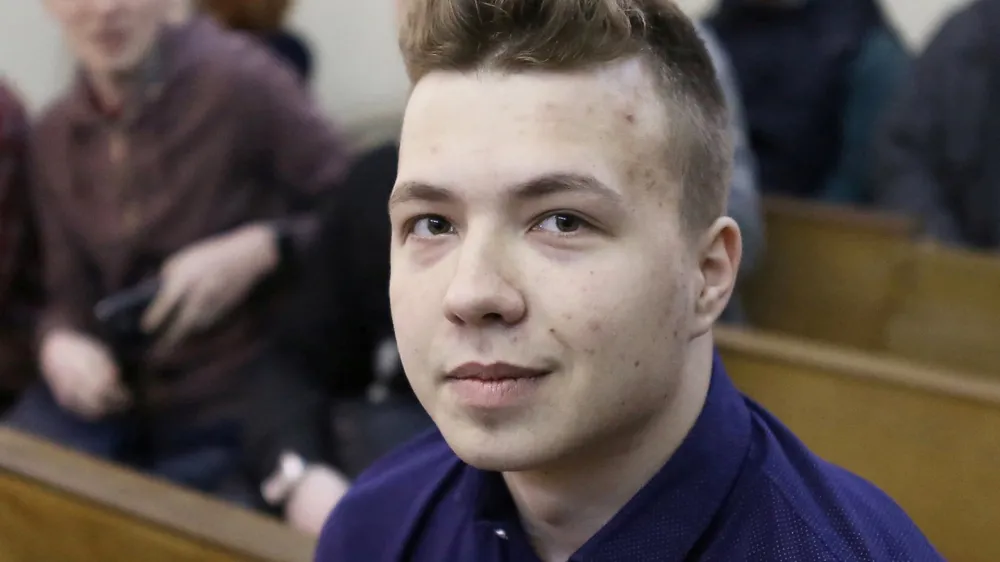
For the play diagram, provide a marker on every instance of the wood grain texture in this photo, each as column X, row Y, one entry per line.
column 57, row 505
column 927, row 437
column 950, row 310
column 829, row 273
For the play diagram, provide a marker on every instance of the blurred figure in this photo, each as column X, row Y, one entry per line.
column 744, row 195
column 815, row 77
column 331, row 392
column 20, row 294
column 939, row 155
column 265, row 19
column 183, row 162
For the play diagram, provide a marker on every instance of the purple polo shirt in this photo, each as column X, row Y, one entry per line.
column 741, row 487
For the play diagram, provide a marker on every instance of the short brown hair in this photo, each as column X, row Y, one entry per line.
column 566, row 35
column 256, row 16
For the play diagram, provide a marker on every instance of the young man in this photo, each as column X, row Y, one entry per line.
column 559, row 255
column 177, row 156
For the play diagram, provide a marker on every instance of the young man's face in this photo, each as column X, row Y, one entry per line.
column 535, row 225
column 110, row 36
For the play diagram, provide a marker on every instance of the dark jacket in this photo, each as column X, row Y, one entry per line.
column 327, row 343
column 291, row 49
column 220, row 135
column 939, row 154
column 813, row 77
column 20, row 281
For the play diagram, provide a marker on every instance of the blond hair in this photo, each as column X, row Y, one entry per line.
column 568, row 35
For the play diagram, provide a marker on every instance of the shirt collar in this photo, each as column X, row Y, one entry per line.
column 674, row 509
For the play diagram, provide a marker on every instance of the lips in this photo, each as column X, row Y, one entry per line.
column 494, row 371
column 494, row 386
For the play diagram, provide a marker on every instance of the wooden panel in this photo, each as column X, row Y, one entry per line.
column 950, row 313
column 56, row 505
column 828, row 272
column 929, row 439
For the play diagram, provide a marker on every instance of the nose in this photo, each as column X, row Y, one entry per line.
column 481, row 292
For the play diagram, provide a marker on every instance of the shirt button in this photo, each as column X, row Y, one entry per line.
column 501, row 533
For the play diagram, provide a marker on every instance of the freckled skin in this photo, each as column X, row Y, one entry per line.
column 610, row 310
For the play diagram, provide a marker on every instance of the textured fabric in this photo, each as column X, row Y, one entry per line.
column 741, row 487
column 794, row 65
column 938, row 157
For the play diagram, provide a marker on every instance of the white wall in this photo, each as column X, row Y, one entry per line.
column 360, row 77
column 32, row 56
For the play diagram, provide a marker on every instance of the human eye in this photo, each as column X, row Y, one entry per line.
column 562, row 224
column 430, row 226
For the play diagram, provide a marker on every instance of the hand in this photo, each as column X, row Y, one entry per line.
column 314, row 498
column 82, row 375
column 206, row 280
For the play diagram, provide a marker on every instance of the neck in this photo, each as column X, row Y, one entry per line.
column 112, row 90
column 563, row 506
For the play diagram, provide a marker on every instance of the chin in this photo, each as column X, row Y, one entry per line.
column 497, row 449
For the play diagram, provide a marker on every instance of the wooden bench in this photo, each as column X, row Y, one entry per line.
column 57, row 505
column 949, row 313
column 828, row 273
column 928, row 438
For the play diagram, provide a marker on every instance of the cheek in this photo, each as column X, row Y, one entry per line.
column 623, row 316
column 415, row 305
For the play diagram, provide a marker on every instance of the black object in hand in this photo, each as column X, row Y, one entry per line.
column 121, row 313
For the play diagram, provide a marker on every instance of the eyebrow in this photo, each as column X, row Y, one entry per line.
column 536, row 188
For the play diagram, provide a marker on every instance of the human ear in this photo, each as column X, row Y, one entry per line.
column 720, row 249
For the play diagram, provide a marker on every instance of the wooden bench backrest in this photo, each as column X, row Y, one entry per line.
column 949, row 313
column 928, row 438
column 57, row 505
column 828, row 273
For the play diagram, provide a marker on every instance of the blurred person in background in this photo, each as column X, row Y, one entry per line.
column 184, row 161
column 20, row 283
column 329, row 395
column 815, row 77
column 939, row 153
column 265, row 19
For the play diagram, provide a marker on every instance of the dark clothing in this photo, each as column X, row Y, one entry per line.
column 205, row 457
column 293, row 50
column 740, row 487
column 327, row 344
column 939, row 154
column 219, row 136
column 20, row 275
column 801, row 69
